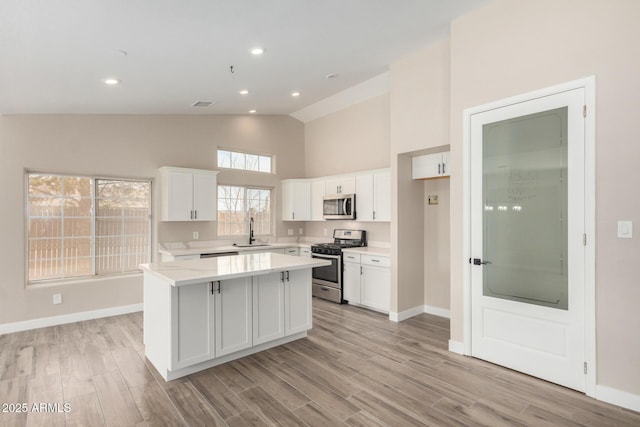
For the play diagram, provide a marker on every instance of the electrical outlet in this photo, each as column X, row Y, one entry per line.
column 290, row 231
column 432, row 200
column 196, row 235
column 57, row 298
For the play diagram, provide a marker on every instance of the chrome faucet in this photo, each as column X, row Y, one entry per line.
column 251, row 238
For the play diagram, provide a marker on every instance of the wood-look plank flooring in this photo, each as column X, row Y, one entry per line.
column 356, row 368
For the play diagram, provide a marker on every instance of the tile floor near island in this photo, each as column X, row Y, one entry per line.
column 355, row 368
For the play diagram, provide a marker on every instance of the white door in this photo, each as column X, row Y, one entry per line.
column 527, row 229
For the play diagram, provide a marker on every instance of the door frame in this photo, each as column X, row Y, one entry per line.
column 589, row 86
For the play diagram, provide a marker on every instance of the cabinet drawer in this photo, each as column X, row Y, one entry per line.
column 347, row 257
column 380, row 261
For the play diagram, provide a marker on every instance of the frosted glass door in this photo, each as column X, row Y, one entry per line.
column 525, row 209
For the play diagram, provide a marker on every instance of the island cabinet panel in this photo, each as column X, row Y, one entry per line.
column 297, row 301
column 268, row 307
column 233, row 316
column 193, row 330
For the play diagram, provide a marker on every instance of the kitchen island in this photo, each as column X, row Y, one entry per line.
column 204, row 312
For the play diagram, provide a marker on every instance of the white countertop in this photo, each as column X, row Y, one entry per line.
column 197, row 250
column 179, row 273
column 369, row 250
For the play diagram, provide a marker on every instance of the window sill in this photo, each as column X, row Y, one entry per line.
column 79, row 280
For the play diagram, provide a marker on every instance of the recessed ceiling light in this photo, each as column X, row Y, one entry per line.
column 252, row 111
column 295, row 94
column 256, row 50
column 111, row 81
column 244, row 92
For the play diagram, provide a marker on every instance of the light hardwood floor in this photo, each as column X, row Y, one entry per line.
column 355, row 368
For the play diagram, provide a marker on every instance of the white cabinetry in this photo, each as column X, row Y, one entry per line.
column 296, row 200
column 187, row 194
column 367, row 281
column 373, row 196
column 233, row 331
column 317, row 199
column 281, row 304
column 431, row 165
column 340, row 185
column 305, row 251
column 212, row 319
column 292, row 251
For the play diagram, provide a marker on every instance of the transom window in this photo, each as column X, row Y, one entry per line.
column 237, row 205
column 244, row 161
column 84, row 226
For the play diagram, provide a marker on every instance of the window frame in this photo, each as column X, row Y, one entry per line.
column 94, row 238
column 246, row 211
column 271, row 158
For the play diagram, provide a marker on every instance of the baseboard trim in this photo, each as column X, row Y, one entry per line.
column 44, row 322
column 456, row 347
column 421, row 309
column 618, row 397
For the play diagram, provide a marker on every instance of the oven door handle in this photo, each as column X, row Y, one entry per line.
column 325, row 256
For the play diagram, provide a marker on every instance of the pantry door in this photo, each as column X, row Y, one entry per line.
column 527, row 166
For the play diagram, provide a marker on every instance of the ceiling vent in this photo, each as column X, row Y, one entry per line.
column 203, row 103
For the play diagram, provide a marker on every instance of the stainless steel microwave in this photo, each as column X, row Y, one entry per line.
column 341, row 206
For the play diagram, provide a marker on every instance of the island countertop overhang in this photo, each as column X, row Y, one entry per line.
column 188, row 272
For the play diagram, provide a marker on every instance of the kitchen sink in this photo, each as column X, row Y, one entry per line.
column 246, row 245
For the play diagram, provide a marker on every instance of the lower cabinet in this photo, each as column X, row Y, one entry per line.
column 367, row 281
column 281, row 305
column 214, row 319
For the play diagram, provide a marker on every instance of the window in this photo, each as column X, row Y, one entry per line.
column 237, row 205
column 244, row 161
column 83, row 226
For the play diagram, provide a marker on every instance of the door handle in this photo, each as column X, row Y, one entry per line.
column 478, row 261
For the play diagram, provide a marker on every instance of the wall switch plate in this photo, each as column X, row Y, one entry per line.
column 57, row 298
column 196, row 235
column 290, row 231
column 432, row 200
column 625, row 229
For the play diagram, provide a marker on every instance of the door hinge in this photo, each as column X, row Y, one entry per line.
column 584, row 110
column 584, row 239
column 585, row 368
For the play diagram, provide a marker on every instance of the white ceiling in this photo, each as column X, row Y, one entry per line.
column 54, row 54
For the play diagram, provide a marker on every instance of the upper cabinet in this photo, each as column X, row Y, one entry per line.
column 373, row 196
column 317, row 194
column 340, row 185
column 296, row 200
column 431, row 165
column 187, row 194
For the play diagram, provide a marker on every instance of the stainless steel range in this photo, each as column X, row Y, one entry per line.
column 327, row 281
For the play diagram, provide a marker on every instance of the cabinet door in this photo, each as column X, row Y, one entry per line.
column 192, row 335
column 297, row 301
column 381, row 196
column 317, row 195
column 233, row 316
column 305, row 252
column 446, row 165
column 178, row 196
column 332, row 186
column 351, row 282
column 347, row 184
column 204, row 197
column 364, row 197
column 375, row 287
column 296, row 200
column 268, row 308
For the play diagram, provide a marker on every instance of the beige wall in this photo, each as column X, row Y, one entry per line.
column 122, row 146
column 507, row 48
column 419, row 100
column 353, row 139
column 437, row 244
column 350, row 140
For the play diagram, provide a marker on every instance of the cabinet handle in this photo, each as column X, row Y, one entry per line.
column 360, row 270
column 219, row 286
column 293, row 215
column 374, row 214
column 211, row 288
column 282, row 276
column 287, row 275
column 443, row 165
column 375, row 260
column 195, row 214
column 439, row 165
column 191, row 214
